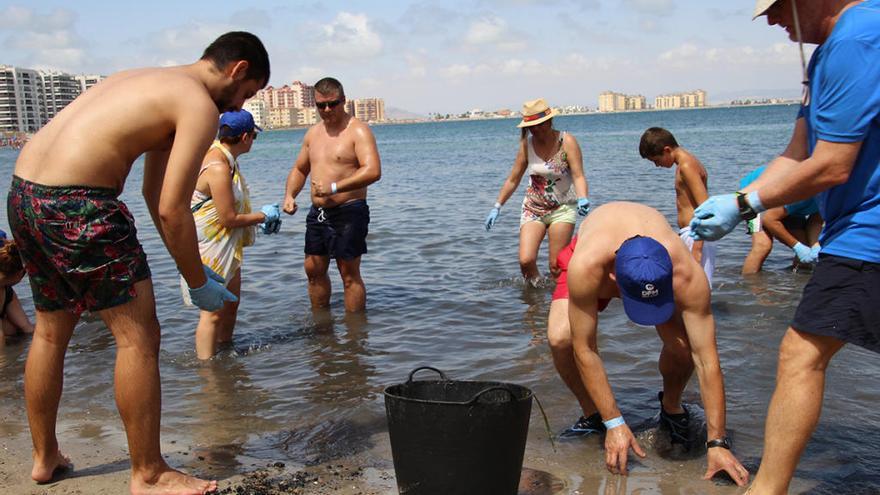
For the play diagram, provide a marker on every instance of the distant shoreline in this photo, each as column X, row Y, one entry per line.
column 457, row 119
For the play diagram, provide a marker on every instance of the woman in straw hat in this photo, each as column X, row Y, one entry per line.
column 557, row 190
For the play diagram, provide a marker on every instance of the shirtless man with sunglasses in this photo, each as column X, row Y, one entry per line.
column 341, row 156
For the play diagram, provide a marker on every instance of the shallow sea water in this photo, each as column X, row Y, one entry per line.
column 307, row 387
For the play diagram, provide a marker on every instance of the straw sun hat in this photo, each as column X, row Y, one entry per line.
column 761, row 7
column 535, row 112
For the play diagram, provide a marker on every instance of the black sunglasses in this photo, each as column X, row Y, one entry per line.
column 328, row 104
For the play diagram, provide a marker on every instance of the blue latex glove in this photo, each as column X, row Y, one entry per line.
column 815, row 251
column 803, row 253
column 583, row 206
column 492, row 218
column 211, row 274
column 272, row 212
column 270, row 227
column 713, row 219
column 211, row 296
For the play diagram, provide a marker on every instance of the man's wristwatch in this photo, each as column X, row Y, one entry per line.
column 723, row 442
column 745, row 209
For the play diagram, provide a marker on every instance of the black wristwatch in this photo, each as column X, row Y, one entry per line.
column 745, row 209
column 723, row 442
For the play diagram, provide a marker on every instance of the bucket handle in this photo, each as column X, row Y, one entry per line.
column 490, row 389
column 413, row 372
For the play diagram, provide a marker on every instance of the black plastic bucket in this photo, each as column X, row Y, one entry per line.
column 451, row 437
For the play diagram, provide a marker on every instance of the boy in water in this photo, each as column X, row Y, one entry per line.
column 659, row 146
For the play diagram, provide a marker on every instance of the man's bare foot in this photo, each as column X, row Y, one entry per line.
column 44, row 471
column 172, row 482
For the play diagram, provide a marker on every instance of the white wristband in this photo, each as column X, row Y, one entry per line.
column 755, row 202
column 332, row 188
column 614, row 423
column 497, row 205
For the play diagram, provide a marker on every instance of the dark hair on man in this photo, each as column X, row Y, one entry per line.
column 328, row 85
column 239, row 45
column 654, row 140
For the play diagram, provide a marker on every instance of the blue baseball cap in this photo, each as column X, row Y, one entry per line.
column 236, row 123
column 643, row 270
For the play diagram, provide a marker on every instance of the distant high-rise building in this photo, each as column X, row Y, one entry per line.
column 305, row 94
column 610, row 101
column 59, row 89
column 367, row 109
column 692, row 99
column 21, row 93
column 31, row 98
column 259, row 109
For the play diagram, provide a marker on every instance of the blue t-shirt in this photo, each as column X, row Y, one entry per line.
column 844, row 107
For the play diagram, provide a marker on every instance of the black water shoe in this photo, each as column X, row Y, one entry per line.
column 676, row 424
column 584, row 426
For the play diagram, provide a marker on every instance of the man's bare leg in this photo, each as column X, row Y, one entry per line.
column 319, row 282
column 530, row 236
column 355, row 292
column 43, row 381
column 138, row 396
column 795, row 407
column 676, row 363
column 559, row 338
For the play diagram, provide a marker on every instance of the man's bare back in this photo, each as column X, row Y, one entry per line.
column 95, row 139
column 607, row 227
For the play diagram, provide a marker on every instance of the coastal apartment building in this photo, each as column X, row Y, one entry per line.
column 31, row 98
column 692, row 99
column 260, row 110
column 296, row 96
column 367, row 109
column 610, row 101
column 20, row 100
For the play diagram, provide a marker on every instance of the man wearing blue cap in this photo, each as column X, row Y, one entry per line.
column 833, row 154
column 628, row 250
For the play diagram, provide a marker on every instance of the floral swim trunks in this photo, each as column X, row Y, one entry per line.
column 78, row 244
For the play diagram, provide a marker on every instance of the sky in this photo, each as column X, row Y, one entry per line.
column 432, row 56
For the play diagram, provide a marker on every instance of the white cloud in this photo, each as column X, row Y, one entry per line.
column 690, row 56
column 306, row 74
column 46, row 41
column 348, row 37
column 485, row 31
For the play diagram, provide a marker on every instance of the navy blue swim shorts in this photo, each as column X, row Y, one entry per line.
column 841, row 300
column 339, row 232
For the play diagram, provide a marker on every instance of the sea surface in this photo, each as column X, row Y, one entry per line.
column 307, row 388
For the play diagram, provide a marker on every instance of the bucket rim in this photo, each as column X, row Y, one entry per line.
column 528, row 396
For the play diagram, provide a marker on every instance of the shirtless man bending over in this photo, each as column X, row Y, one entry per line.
column 340, row 154
column 79, row 243
column 627, row 250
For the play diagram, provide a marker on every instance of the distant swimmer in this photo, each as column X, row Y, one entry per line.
column 659, row 146
column 797, row 226
column 225, row 224
column 557, row 191
column 341, row 156
column 834, row 155
column 79, row 242
column 627, row 250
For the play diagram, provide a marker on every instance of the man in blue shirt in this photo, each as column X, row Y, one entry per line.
column 834, row 154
